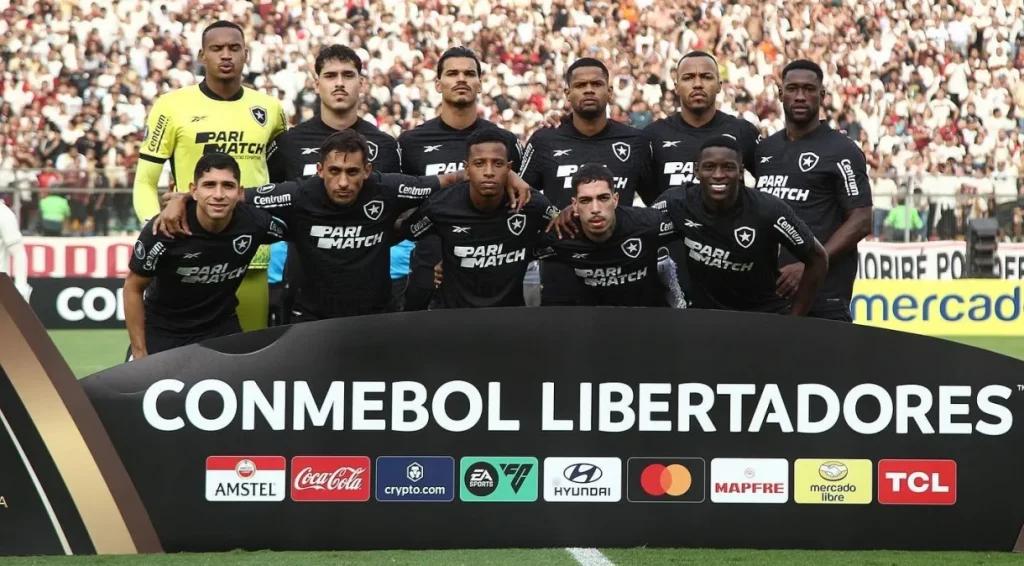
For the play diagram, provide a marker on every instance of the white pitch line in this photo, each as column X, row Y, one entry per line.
column 589, row 557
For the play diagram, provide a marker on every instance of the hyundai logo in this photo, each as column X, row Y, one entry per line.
column 583, row 473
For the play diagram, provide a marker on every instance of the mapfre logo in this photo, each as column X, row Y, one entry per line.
column 245, row 478
column 917, row 482
column 749, row 480
column 330, row 478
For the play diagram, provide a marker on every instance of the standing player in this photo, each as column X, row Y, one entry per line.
column 553, row 155
column 439, row 146
column 823, row 176
column 12, row 251
column 180, row 291
column 217, row 115
column 615, row 253
column 733, row 235
column 676, row 140
column 485, row 246
column 295, row 154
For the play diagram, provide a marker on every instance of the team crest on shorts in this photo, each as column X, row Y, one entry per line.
column 745, row 236
column 807, row 161
column 259, row 114
column 372, row 147
column 374, row 209
column 241, row 244
column 632, row 247
column 516, row 223
column 621, row 151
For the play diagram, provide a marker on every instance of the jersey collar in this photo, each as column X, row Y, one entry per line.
column 205, row 89
column 570, row 127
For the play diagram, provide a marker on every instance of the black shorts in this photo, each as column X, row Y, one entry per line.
column 159, row 339
column 840, row 313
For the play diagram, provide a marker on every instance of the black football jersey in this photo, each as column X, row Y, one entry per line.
column 622, row 270
column 821, row 176
column 295, row 153
column 484, row 254
column 195, row 277
column 435, row 148
column 343, row 250
column 733, row 258
column 553, row 155
column 676, row 146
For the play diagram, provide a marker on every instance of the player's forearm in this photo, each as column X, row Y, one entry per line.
column 815, row 269
column 448, row 179
column 135, row 317
column 144, row 192
column 855, row 228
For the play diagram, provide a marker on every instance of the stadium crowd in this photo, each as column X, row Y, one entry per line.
column 932, row 91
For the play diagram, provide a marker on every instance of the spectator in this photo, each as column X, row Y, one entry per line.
column 54, row 213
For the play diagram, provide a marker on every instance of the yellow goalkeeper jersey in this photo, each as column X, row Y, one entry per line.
column 186, row 123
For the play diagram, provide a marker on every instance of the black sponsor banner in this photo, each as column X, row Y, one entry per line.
column 78, row 302
column 572, row 427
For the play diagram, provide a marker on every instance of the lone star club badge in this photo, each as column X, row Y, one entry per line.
column 632, row 247
column 516, row 223
column 374, row 209
column 373, row 150
column 745, row 236
column 241, row 244
column 807, row 161
column 621, row 151
column 259, row 114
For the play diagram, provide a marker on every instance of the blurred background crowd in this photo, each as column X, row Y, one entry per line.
column 931, row 90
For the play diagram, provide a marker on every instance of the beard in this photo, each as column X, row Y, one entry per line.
column 591, row 113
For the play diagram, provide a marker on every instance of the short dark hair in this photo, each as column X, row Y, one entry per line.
column 337, row 52
column 221, row 24
column 216, row 160
column 458, row 52
column 697, row 53
column 591, row 172
column 487, row 135
column 585, row 62
column 724, row 140
column 345, row 141
column 804, row 65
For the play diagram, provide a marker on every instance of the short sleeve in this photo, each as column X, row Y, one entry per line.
column 147, row 252
column 852, row 188
column 790, row 230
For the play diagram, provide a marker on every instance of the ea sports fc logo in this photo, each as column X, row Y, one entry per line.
column 658, row 479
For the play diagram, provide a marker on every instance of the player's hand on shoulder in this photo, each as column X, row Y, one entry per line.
column 519, row 192
column 172, row 220
column 438, row 275
column 566, row 224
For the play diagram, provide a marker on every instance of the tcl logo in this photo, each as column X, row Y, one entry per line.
column 330, row 478
column 917, row 482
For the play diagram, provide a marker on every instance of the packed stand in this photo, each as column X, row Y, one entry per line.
column 932, row 92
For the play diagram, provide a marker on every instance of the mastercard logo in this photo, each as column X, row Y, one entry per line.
column 658, row 479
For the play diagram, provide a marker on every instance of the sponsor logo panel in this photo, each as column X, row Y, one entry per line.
column 665, row 480
column 415, row 478
column 245, row 478
column 832, row 481
column 498, row 479
column 330, row 478
column 582, row 479
column 749, row 480
column 917, row 482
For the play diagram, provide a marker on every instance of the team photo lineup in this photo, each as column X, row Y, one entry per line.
column 366, row 159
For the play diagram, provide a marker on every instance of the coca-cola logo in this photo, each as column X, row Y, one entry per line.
column 341, row 479
column 330, row 478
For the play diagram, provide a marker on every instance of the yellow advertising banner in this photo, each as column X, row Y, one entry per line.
column 960, row 307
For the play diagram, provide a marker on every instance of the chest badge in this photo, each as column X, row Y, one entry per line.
column 241, row 244
column 374, row 209
column 516, row 223
column 372, row 147
column 745, row 236
column 259, row 114
column 807, row 161
column 632, row 247
column 621, row 151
